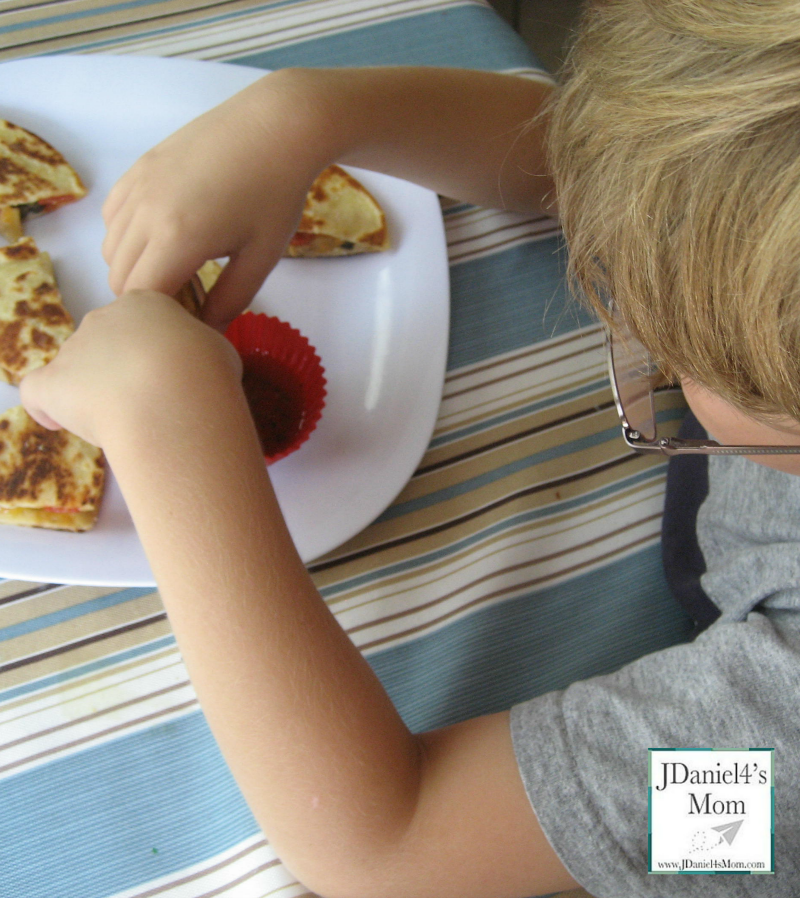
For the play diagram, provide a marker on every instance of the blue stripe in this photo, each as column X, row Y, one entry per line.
column 119, row 814
column 158, row 801
column 73, row 611
column 495, row 529
column 442, row 37
column 529, row 645
column 509, row 300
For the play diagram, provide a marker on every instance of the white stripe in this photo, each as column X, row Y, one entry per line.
column 239, row 865
column 526, row 548
column 491, row 391
column 274, row 28
column 67, row 720
column 476, row 233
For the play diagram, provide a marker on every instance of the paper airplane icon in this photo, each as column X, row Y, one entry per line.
column 728, row 830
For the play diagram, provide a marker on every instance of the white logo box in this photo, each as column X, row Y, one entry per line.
column 711, row 810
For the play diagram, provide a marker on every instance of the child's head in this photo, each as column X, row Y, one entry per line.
column 675, row 145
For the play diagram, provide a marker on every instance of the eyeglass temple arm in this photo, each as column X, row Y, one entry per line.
column 673, row 446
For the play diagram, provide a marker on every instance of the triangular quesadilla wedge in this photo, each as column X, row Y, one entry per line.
column 34, row 177
column 48, row 478
column 340, row 218
column 192, row 295
column 33, row 320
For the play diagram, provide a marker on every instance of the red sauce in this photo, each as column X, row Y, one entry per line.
column 53, row 202
column 275, row 397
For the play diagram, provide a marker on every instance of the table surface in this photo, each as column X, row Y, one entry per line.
column 522, row 555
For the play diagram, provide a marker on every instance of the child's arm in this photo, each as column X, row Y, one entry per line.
column 353, row 803
column 233, row 181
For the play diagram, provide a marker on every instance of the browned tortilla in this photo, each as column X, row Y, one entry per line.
column 340, row 218
column 33, row 320
column 48, row 478
column 34, row 177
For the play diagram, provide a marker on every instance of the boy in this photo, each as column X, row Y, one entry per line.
column 674, row 150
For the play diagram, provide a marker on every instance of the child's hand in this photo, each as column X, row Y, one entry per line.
column 230, row 183
column 139, row 359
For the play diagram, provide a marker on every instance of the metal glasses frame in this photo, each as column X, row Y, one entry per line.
column 619, row 342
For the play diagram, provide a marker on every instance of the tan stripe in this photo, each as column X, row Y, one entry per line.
column 72, row 630
column 30, row 15
column 466, row 237
column 478, row 401
column 387, row 542
column 16, row 590
column 526, row 435
column 488, row 403
column 517, row 441
column 56, row 599
column 452, row 519
column 566, row 523
column 491, row 407
column 119, row 25
column 243, row 878
column 74, row 656
column 112, row 26
column 582, row 351
column 536, row 423
column 500, row 560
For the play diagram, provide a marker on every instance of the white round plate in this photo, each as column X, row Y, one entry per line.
column 380, row 322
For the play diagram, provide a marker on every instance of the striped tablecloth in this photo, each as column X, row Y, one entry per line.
column 522, row 555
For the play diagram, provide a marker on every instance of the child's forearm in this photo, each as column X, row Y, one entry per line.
column 353, row 802
column 463, row 133
column 320, row 753
column 233, row 181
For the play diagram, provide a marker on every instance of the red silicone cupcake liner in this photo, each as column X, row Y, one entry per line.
column 283, row 380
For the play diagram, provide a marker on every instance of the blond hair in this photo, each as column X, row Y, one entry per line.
column 675, row 147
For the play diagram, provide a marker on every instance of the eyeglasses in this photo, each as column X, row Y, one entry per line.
column 634, row 378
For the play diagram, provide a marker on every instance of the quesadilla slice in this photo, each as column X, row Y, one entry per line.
column 48, row 478
column 34, row 177
column 192, row 295
column 340, row 218
column 33, row 320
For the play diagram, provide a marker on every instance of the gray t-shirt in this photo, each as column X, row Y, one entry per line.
column 583, row 752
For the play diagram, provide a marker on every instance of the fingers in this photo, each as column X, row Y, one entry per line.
column 117, row 197
column 141, row 257
column 121, row 250
column 30, row 396
column 157, row 268
column 238, row 283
